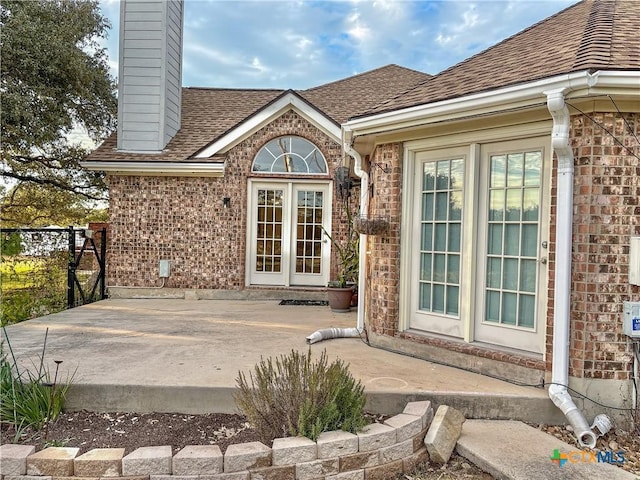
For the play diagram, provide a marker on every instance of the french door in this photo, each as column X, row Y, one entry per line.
column 287, row 245
column 437, row 239
column 513, row 236
column 478, row 244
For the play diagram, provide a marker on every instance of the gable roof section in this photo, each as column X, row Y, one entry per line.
column 588, row 36
column 212, row 119
column 289, row 100
column 357, row 94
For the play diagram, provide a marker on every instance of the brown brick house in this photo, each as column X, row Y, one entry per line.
column 512, row 196
column 232, row 187
column 509, row 182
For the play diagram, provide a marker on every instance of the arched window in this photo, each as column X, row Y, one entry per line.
column 290, row 155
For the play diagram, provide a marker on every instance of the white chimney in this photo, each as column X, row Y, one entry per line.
column 150, row 74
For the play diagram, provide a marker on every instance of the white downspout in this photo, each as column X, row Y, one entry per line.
column 328, row 333
column 364, row 210
column 562, row 291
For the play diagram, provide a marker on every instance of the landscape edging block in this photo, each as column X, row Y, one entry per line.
column 377, row 451
column 14, row 459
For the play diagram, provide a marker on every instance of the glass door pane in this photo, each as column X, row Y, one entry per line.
column 512, row 239
column 310, row 257
column 286, row 244
column 440, row 236
column 309, row 231
column 268, row 252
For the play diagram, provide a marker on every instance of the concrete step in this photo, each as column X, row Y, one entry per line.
column 531, row 405
column 515, row 451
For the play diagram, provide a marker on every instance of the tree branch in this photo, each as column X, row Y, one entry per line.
column 55, row 183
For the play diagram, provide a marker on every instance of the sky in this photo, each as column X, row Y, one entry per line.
column 301, row 44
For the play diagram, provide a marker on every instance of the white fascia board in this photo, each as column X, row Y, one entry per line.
column 504, row 99
column 205, row 169
column 262, row 118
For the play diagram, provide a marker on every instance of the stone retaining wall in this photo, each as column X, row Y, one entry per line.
column 379, row 451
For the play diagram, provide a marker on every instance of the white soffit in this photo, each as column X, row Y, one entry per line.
column 205, row 169
column 288, row 101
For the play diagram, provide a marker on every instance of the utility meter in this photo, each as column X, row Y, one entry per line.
column 632, row 319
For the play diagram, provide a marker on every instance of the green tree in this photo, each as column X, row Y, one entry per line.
column 44, row 205
column 54, row 78
column 10, row 244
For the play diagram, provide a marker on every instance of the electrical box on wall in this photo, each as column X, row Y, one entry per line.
column 164, row 268
column 632, row 319
column 634, row 260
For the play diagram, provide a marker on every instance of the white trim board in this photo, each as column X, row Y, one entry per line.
column 289, row 101
column 181, row 169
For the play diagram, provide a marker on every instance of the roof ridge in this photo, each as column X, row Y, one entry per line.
column 228, row 89
column 595, row 46
column 368, row 72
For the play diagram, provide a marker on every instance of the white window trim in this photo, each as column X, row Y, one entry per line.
column 278, row 173
column 252, row 124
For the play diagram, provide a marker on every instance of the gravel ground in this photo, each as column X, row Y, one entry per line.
column 88, row 430
column 616, row 440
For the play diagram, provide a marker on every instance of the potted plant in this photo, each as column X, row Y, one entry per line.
column 341, row 289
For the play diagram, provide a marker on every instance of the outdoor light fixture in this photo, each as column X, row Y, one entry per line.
column 226, row 202
column 343, row 180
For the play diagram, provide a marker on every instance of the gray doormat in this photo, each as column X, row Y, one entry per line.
column 315, row 303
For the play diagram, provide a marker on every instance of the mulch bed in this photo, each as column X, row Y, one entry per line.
column 88, row 430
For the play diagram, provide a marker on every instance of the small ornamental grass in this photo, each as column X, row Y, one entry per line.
column 28, row 399
column 295, row 396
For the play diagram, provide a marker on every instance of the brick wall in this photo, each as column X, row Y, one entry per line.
column 384, row 268
column 183, row 219
column 606, row 213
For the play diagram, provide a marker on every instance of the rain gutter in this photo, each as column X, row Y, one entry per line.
column 578, row 84
column 364, row 210
column 494, row 101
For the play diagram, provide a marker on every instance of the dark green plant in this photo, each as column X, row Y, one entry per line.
column 293, row 395
column 55, row 76
column 57, row 443
column 347, row 249
column 29, row 398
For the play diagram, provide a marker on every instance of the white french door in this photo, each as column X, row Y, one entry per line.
column 512, row 271
column 478, row 245
column 286, row 242
column 437, row 237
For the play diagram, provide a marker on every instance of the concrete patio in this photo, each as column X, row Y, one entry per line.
column 176, row 355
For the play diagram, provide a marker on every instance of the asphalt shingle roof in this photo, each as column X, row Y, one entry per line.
column 209, row 113
column 354, row 95
column 590, row 35
column 206, row 115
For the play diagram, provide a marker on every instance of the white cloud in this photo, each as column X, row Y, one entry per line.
column 300, row 44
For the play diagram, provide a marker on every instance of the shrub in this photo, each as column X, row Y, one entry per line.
column 292, row 396
column 28, row 399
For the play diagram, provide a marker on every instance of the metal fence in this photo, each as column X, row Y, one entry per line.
column 45, row 270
